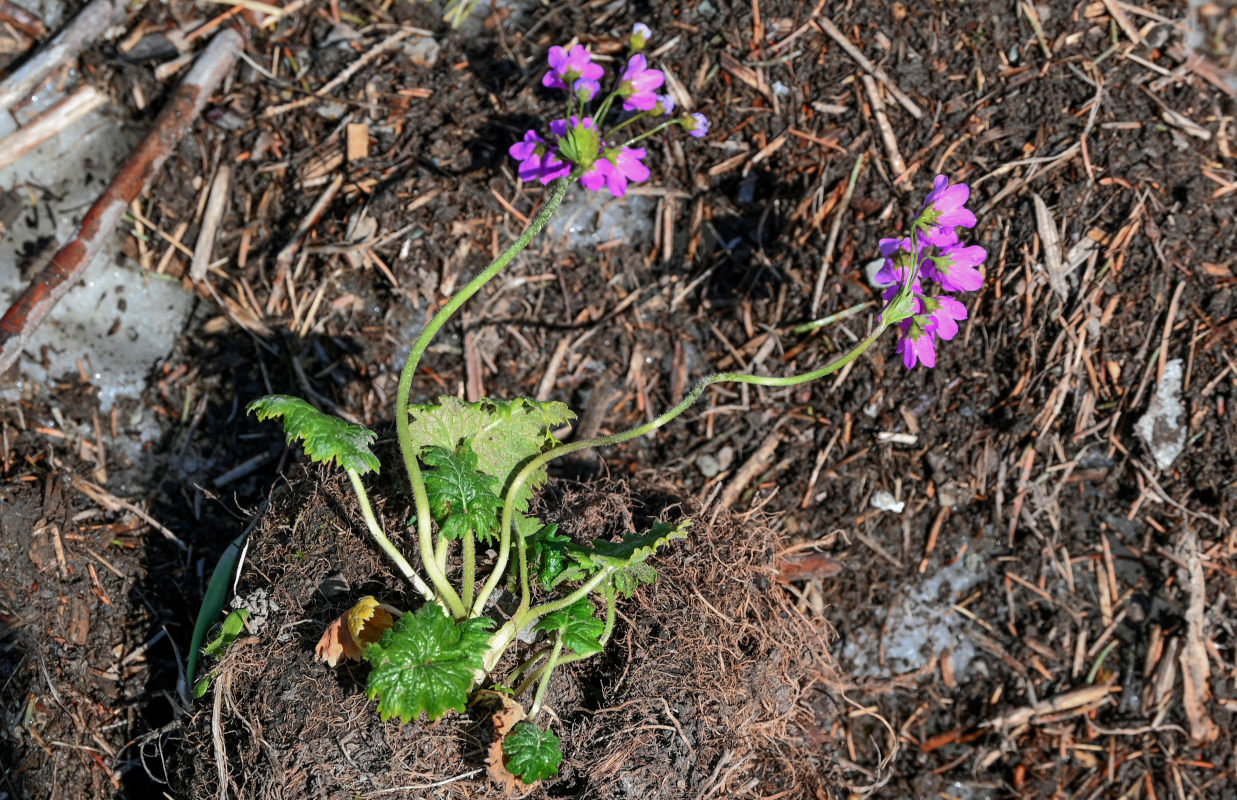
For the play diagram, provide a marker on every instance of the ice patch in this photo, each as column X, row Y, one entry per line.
column 119, row 320
column 1162, row 427
column 587, row 219
column 920, row 624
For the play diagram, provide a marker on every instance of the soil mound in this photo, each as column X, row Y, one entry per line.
column 701, row 691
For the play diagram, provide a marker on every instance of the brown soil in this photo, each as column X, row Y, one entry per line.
column 687, row 700
column 1017, row 458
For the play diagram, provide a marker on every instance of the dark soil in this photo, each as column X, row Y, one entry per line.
column 1040, row 545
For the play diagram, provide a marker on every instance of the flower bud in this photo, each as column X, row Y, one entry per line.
column 640, row 35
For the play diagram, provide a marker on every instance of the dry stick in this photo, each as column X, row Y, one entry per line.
column 63, row 114
column 68, row 264
column 90, row 23
column 215, row 205
column 826, row 25
column 834, row 228
column 896, row 165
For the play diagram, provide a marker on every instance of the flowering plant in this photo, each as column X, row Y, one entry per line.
column 474, row 467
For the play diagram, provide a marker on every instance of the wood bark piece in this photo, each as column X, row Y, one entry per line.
column 68, row 264
column 90, row 23
column 69, row 110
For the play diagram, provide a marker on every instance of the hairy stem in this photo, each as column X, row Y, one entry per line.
column 403, row 430
column 375, row 530
column 470, row 567
column 545, row 677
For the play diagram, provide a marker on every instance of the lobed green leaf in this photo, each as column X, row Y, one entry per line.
column 426, row 663
column 326, row 438
column 503, row 433
column 578, row 627
column 461, row 498
column 531, row 754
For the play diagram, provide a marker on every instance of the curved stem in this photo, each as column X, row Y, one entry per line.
column 529, row 616
column 470, row 568
column 545, row 677
column 404, row 432
column 375, row 530
column 505, row 527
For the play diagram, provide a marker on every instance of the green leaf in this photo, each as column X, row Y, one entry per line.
column 326, row 438
column 503, row 433
column 231, row 628
column 461, row 498
column 577, row 625
column 547, row 551
column 531, row 754
column 626, row 579
column 633, row 550
column 426, row 663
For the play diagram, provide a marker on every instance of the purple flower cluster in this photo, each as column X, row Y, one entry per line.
column 576, row 146
column 953, row 266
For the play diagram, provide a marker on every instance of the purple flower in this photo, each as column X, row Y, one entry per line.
column 586, row 89
column 627, row 166
column 567, row 67
column 640, row 35
column 529, row 153
column 944, row 209
column 639, row 84
column 944, row 313
column 597, row 175
column 917, row 344
column 665, row 105
column 955, row 268
column 696, row 125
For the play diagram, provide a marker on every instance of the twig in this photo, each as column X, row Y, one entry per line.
column 71, row 261
column 826, row 25
column 85, row 27
column 69, row 110
column 215, row 205
column 896, row 164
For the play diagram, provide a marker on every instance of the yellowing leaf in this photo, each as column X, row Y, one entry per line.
column 360, row 625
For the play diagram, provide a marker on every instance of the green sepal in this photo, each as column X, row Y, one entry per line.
column 503, row 433
column 531, row 754
column 326, row 438
column 578, row 627
column 461, row 498
column 426, row 663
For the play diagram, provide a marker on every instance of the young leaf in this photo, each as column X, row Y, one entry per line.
column 626, row 579
column 547, row 551
column 579, row 628
column 632, row 550
column 426, row 663
column 461, row 498
column 231, row 628
column 326, row 438
column 503, row 433
column 531, row 754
